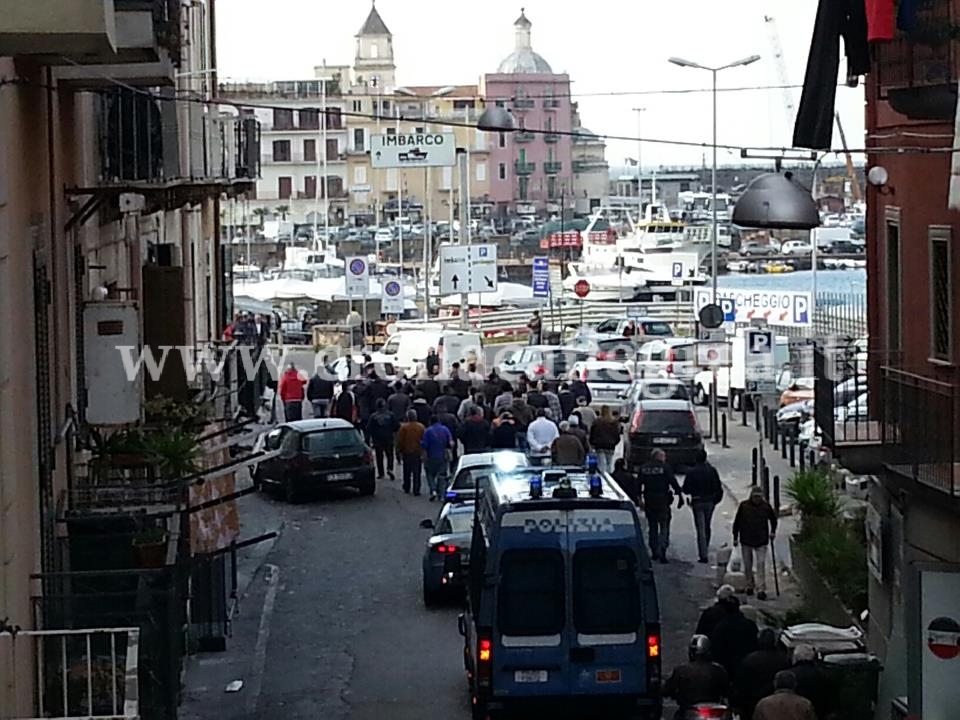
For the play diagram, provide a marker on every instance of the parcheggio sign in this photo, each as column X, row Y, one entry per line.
column 785, row 308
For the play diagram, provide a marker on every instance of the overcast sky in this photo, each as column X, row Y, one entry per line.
column 607, row 46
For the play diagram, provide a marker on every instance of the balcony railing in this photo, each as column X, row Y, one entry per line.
column 552, row 168
column 524, row 104
column 524, row 136
column 551, row 138
column 89, row 673
column 524, row 168
column 919, row 422
column 551, row 104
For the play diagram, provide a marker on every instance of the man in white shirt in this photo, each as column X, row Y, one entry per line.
column 540, row 436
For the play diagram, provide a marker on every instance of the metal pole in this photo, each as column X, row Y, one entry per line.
column 326, row 189
column 427, row 243
column 713, row 240
column 464, row 224
column 399, row 208
column 639, row 173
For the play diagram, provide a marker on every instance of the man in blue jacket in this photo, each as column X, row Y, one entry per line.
column 437, row 442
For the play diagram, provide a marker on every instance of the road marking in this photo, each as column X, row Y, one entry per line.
column 263, row 637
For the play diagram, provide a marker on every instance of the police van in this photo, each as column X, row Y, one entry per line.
column 562, row 606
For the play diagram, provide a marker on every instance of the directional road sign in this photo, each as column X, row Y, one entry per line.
column 760, row 368
column 468, row 269
column 358, row 277
column 541, row 277
column 391, row 299
column 413, row 150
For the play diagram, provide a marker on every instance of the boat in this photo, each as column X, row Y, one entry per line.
column 697, row 207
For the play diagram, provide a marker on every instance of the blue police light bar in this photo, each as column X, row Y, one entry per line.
column 596, row 485
column 536, row 488
column 592, row 463
column 451, row 495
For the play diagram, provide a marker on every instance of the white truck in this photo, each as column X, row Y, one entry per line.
column 731, row 381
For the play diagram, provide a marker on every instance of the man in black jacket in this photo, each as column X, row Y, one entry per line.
column 734, row 637
column 755, row 675
column 702, row 484
column 320, row 391
column 474, row 433
column 659, row 485
column 382, row 428
column 755, row 527
column 710, row 617
column 398, row 402
column 627, row 481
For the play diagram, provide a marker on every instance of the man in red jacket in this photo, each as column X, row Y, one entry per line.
column 291, row 393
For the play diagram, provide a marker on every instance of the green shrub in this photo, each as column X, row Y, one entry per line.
column 814, row 497
column 838, row 551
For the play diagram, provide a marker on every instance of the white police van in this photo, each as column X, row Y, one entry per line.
column 562, row 606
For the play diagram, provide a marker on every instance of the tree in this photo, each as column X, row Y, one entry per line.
column 259, row 213
column 282, row 211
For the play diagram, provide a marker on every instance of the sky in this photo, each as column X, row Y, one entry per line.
column 606, row 46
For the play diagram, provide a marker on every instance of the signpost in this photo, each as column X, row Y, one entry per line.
column 713, row 354
column 541, row 277
column 357, row 284
column 582, row 289
column 760, row 369
column 413, row 150
column 677, row 274
column 468, row 269
column 391, row 299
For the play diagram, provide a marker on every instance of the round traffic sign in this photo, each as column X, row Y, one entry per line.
column 943, row 638
column 712, row 355
column 711, row 316
column 582, row 288
column 392, row 288
column 358, row 266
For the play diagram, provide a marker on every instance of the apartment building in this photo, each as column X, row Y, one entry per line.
column 112, row 166
column 591, row 173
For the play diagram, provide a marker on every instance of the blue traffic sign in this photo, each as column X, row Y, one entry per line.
column 541, row 277
column 729, row 308
column 392, row 288
column 677, row 271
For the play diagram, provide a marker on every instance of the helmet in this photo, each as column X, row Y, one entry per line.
column 699, row 648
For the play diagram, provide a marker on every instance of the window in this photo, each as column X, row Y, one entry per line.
column 502, row 171
column 334, row 119
column 668, row 421
column 503, row 139
column 941, row 294
column 617, row 376
column 282, row 119
column 359, row 141
column 551, row 187
column 309, row 119
column 310, row 186
column 332, row 440
column 524, row 187
column 335, row 185
column 360, row 174
column 606, row 591
column 523, row 156
column 374, row 51
column 481, row 172
column 309, row 150
column 358, row 106
column 281, row 151
column 284, row 187
column 549, row 124
column 893, row 280
column 530, row 593
column 332, row 149
column 464, row 104
column 456, row 522
column 391, row 131
column 386, row 106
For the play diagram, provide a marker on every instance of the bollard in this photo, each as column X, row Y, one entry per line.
column 783, row 444
column 743, row 410
column 803, row 460
column 776, row 436
column 766, row 483
column 766, row 423
column 776, row 494
column 754, row 466
column 793, row 451
column 756, row 413
column 723, row 429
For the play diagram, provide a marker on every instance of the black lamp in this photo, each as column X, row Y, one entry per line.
column 776, row 201
column 496, row 119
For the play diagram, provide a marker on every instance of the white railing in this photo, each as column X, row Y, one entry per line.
column 84, row 674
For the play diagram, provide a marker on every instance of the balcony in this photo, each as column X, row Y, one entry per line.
column 919, row 419
column 524, row 104
column 551, row 137
column 552, row 168
column 524, row 136
column 551, row 104
column 524, row 168
column 918, row 72
column 588, row 165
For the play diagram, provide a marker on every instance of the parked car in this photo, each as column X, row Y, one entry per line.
column 607, row 381
column 646, row 328
column 446, row 556
column 791, row 417
column 669, row 357
column 541, row 362
column 668, row 425
column 757, row 249
column 796, row 247
column 652, row 389
column 472, row 467
column 314, row 454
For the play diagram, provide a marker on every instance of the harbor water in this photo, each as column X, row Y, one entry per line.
column 851, row 282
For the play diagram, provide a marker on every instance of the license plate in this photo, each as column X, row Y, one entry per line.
column 608, row 676
column 665, row 441
column 340, row 476
column 530, row 676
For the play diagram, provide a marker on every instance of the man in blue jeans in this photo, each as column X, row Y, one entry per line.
column 702, row 484
column 437, row 442
column 658, row 486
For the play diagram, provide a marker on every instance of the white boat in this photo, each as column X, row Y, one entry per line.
column 698, row 206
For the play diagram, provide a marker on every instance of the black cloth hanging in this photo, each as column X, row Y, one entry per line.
column 835, row 19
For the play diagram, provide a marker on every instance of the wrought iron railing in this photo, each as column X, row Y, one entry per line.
column 924, row 56
column 88, row 673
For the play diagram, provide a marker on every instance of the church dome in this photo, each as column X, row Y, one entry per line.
column 523, row 59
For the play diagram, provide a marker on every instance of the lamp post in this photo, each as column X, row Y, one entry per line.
column 714, row 71
column 639, row 111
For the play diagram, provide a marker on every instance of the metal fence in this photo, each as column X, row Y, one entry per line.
column 88, row 673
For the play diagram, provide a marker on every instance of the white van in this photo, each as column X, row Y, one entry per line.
column 735, row 375
column 406, row 348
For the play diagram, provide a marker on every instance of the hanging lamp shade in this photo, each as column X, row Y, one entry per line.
column 775, row 201
column 496, row 119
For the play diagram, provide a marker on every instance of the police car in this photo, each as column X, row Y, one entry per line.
column 562, row 606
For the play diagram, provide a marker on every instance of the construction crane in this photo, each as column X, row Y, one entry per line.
column 783, row 78
column 851, row 173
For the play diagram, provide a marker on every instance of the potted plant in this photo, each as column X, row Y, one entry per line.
column 122, row 449
column 175, row 452
column 165, row 411
column 150, row 545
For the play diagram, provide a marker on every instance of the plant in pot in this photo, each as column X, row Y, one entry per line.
column 122, row 449
column 815, row 499
column 176, row 453
column 150, row 545
column 167, row 412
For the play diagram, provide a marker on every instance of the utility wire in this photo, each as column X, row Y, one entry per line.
column 219, row 103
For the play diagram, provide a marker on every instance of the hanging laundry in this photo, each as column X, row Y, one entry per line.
column 907, row 15
column 880, row 20
column 835, row 19
column 954, row 197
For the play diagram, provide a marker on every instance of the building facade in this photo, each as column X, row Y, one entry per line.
column 591, row 173
column 113, row 162
column 533, row 167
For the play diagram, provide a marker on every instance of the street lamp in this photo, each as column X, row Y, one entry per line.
column 713, row 71
column 639, row 111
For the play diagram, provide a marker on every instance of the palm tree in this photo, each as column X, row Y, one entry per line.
column 282, row 211
column 259, row 213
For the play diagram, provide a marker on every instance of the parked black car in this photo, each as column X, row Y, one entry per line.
column 316, row 454
column 668, row 425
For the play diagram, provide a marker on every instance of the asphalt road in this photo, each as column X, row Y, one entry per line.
column 334, row 625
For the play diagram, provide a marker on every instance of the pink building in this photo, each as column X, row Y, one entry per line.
column 532, row 169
